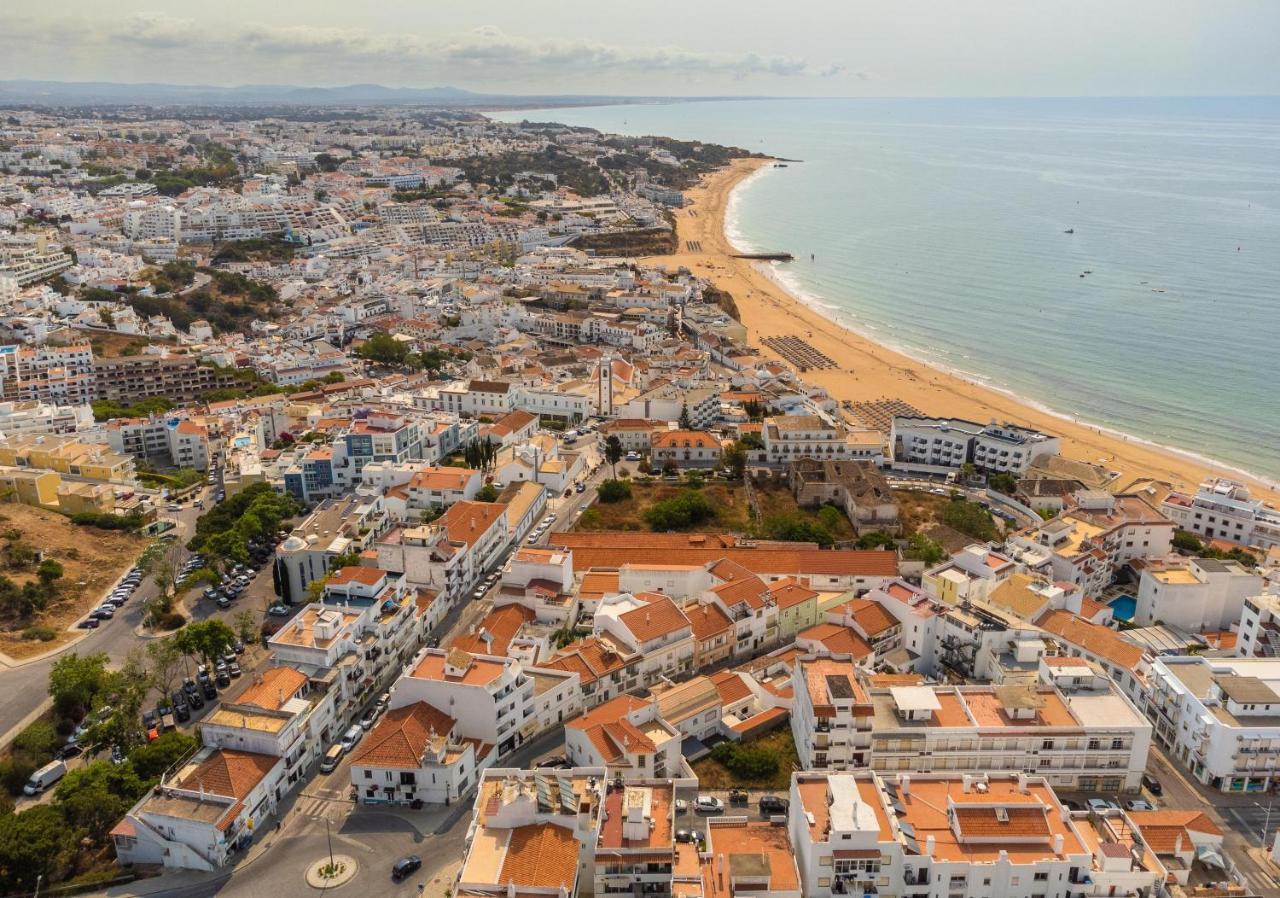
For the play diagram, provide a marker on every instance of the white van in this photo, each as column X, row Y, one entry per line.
column 45, row 777
column 351, row 737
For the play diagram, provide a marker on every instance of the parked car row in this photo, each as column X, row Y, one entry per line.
column 111, row 604
column 543, row 526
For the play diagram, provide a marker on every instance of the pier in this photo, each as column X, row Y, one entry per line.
column 765, row 257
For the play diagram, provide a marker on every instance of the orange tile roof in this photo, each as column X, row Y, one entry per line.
column 1017, row 822
column 839, row 639
column 871, row 617
column 695, row 439
column 789, row 592
column 278, row 686
column 1100, row 640
column 656, row 619
column 369, row 576
column 446, row 478
column 502, row 624
column 230, row 772
column 802, row 562
column 402, row 736
column 731, row 686
column 590, row 658
column 1160, row 829
column 707, row 620
column 467, row 521
column 540, row 855
column 599, row 583
column 479, row 671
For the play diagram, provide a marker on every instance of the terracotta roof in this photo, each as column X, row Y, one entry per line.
column 369, row 576
column 838, row 639
column 658, row 618
column 401, row 737
column 1160, row 829
column 590, row 658
column 1101, row 641
column 278, row 686
column 230, row 772
column 789, row 592
column 502, row 624
column 707, row 620
column 802, row 562
column 731, row 685
column 871, row 617
column 1015, row 822
column 445, row 478
column 540, row 855
column 679, row 439
column 467, row 521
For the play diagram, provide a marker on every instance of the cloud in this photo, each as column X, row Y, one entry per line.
column 484, row 53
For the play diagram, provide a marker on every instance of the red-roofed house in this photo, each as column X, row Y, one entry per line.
column 627, row 736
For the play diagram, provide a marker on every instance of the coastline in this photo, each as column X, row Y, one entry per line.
column 870, row 370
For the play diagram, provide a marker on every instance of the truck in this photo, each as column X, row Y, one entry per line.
column 45, row 777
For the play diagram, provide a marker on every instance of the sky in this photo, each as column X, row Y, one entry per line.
column 661, row 47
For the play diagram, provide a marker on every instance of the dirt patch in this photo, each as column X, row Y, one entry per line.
column 733, row 512
column 919, row 510
column 91, row 560
column 714, row 775
column 778, row 499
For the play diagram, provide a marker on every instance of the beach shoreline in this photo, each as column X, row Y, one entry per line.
column 869, row 370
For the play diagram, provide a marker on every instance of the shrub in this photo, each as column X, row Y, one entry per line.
column 796, row 528
column 680, row 512
column 1185, row 541
column 14, row 773
column 969, row 518
column 40, row 633
column 614, row 491
column 39, row 740
column 1003, row 482
column 753, row 763
column 171, row 620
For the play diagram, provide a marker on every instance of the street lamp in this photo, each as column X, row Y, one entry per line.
column 39, row 879
column 1266, row 824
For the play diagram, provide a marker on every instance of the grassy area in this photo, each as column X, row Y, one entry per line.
column 778, row 499
column 91, row 561
column 714, row 775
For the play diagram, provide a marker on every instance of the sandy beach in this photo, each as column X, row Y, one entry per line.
column 868, row 371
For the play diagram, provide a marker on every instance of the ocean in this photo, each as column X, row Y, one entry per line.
column 1113, row 260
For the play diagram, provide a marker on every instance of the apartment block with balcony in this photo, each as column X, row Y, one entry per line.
column 1220, row 717
column 831, row 716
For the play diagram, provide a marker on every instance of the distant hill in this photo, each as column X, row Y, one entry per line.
column 76, row 93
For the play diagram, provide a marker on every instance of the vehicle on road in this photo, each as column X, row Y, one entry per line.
column 89, row 623
column 331, row 758
column 772, row 804
column 368, row 720
column 579, row 487
column 45, row 777
column 1152, row 785
column 682, row 806
column 70, row 751
column 352, row 737
column 553, row 761
column 685, row 835
column 737, row 796
column 279, row 611
column 224, row 602
column 406, row 866
column 708, row 804
column 181, row 710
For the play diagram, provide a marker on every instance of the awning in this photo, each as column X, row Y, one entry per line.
column 1209, row 855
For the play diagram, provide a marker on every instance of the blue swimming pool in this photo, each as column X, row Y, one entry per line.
column 1122, row 607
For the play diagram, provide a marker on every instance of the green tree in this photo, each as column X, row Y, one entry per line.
column 487, row 493
column 383, row 349
column 921, row 548
column 875, row 539
column 94, row 797
column 614, row 491
column 735, row 460
column 49, row 571
column 795, row 527
column 34, row 845
column 686, row 423
column 74, row 682
column 39, row 740
column 969, row 518
column 613, row 453
column 246, row 626
column 165, row 659
column 680, row 512
column 1187, row 542
column 154, row 758
column 1003, row 482
column 205, row 640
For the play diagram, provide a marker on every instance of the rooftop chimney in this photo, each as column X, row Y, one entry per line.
column 930, row 844
column 966, row 783
column 904, row 785
column 1057, row 843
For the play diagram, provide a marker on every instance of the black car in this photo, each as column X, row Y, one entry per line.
column 685, row 835
column 1152, row 784
column 148, row 719
column 237, row 647
column 405, row 866
column 70, row 750
column 196, row 700
column 771, row 804
column 181, row 710
column 224, row 679
column 89, row 623
column 210, row 691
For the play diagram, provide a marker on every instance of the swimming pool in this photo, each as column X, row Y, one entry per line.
column 1123, row 607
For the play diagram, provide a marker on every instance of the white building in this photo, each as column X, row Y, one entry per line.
column 1206, row 594
column 953, row 442
column 1223, row 509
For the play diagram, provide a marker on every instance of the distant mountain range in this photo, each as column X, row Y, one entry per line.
column 72, row 93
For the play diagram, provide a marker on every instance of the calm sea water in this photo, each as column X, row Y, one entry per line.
column 937, row 226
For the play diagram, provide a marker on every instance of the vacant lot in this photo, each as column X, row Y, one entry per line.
column 780, row 743
column 733, row 513
column 91, row 561
column 733, row 510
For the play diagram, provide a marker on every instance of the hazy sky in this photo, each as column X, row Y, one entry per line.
column 670, row 47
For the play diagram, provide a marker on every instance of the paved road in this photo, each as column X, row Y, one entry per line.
column 24, row 689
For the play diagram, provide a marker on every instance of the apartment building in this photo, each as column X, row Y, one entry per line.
column 31, row 260
column 627, row 736
column 1223, row 509
column 1205, row 594
column 67, row 455
column 939, row 835
column 1220, row 717
column 1259, row 633
column 180, row 379
column 791, row 437
column 61, row 374
column 441, row 487
column 180, row 442
column 653, row 625
column 832, row 715
column 953, row 443
column 334, row 528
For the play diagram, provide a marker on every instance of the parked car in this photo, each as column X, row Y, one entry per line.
column 1101, row 805
column 579, row 487
column 406, row 866
column 708, row 804
column 772, row 804
column 368, row 720
column 682, row 806
column 1152, row 785
column 383, row 701
column 89, row 623
column 223, row 679
column 224, row 602
column 279, row 611
column 553, row 761
column 685, row 835
column 210, row 691
column 329, row 762
column 737, row 796
column 181, row 710
column 237, row 647
column 1138, row 804
column 70, row 750
column 234, row 669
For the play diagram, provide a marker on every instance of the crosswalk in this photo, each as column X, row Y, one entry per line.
column 323, row 804
column 1261, row 882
